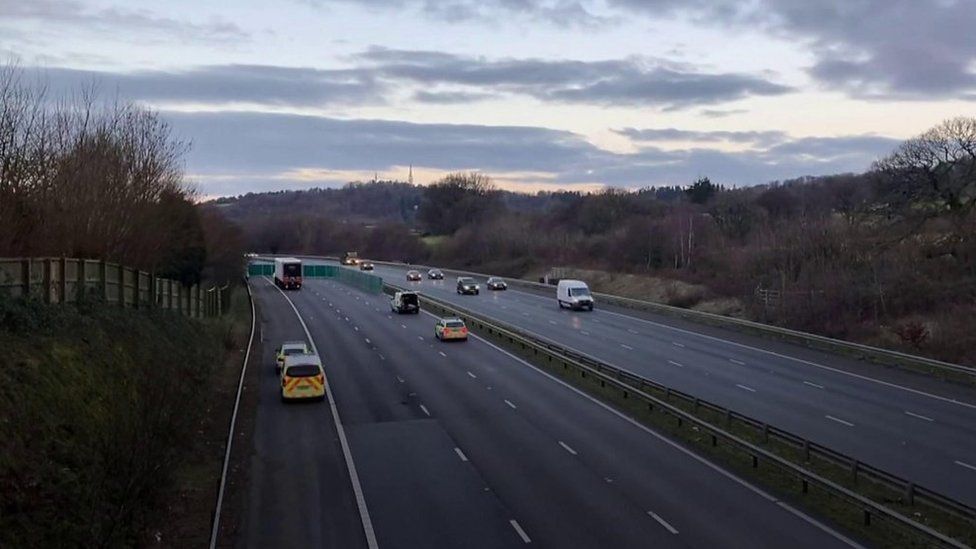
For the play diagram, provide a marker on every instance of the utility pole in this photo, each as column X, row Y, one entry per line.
column 410, row 175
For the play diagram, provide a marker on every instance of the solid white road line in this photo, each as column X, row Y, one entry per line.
column 520, row 531
column 663, row 522
column 812, row 384
column 460, row 454
column 918, row 416
column 966, row 465
column 510, row 405
column 567, row 448
column 841, row 421
column 673, row 363
column 739, row 362
column 743, row 387
column 357, row 488
column 424, row 408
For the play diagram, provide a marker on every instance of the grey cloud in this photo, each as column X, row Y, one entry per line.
column 221, row 84
column 875, row 49
column 633, row 81
column 118, row 21
column 256, row 146
column 651, row 135
column 450, row 98
column 557, row 12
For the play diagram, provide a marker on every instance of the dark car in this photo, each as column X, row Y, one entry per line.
column 495, row 283
column 435, row 274
column 365, row 266
column 413, row 276
column 467, row 285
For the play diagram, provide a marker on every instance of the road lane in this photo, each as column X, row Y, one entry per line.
column 787, row 392
column 513, row 425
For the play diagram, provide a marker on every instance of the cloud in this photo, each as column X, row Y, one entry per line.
column 635, row 81
column 112, row 21
column 758, row 138
column 874, row 49
column 450, row 98
column 565, row 13
column 222, row 84
column 269, row 149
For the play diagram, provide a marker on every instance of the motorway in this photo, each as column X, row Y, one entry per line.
column 463, row 445
column 909, row 425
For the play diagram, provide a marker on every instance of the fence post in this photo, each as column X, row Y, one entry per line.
column 220, row 300
column 103, row 273
column 152, row 289
column 169, row 293
column 47, row 281
column 26, row 273
column 122, row 285
column 135, row 288
column 64, row 279
column 80, row 280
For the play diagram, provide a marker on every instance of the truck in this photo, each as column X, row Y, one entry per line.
column 350, row 258
column 405, row 302
column 288, row 273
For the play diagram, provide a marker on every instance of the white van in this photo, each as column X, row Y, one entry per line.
column 574, row 294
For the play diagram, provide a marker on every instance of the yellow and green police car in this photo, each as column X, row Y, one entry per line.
column 302, row 377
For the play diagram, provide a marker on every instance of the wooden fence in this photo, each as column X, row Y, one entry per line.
column 68, row 280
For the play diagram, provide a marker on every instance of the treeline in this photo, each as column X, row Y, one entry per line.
column 886, row 257
column 81, row 177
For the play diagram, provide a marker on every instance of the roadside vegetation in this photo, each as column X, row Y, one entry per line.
column 885, row 257
column 112, row 421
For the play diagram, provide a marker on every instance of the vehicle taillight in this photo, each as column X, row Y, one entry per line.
column 284, row 381
column 320, row 378
column 464, row 330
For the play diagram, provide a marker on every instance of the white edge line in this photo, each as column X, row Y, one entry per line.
column 755, row 489
column 663, row 522
column 510, row 405
column 215, row 529
column 812, row 384
column 460, row 454
column 744, row 388
column 350, row 464
column 520, row 531
column 426, row 411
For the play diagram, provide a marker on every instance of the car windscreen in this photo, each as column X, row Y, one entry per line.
column 466, row 280
column 302, row 370
column 454, row 324
column 579, row 292
column 294, row 351
column 293, row 269
column 409, row 299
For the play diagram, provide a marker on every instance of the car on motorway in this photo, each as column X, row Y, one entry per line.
column 405, row 302
column 349, row 258
column 414, row 276
column 574, row 294
column 302, row 377
column 287, row 349
column 496, row 283
column 467, row 285
column 366, row 266
column 435, row 274
column 450, row 328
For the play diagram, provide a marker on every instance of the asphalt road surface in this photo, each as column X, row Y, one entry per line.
column 463, row 445
column 910, row 425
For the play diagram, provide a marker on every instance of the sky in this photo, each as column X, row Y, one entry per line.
column 537, row 94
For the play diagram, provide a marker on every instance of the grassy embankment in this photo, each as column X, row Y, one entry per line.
column 103, row 412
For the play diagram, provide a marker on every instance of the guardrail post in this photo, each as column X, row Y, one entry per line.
column 765, row 432
column 755, row 461
column 910, row 493
column 25, row 272
column 867, row 517
column 855, row 465
column 728, row 417
column 806, row 450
